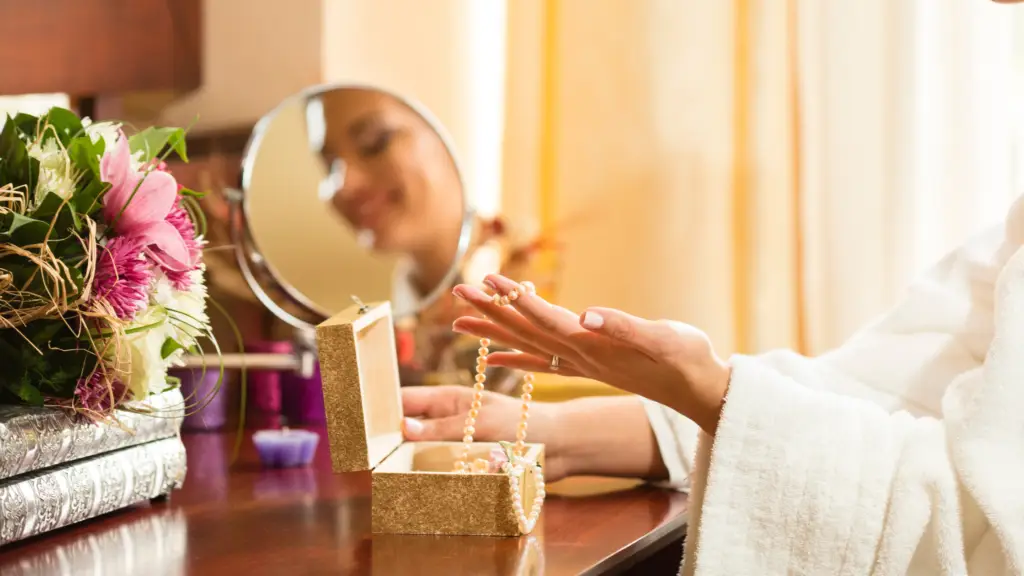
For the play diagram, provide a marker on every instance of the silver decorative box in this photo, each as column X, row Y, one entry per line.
column 57, row 470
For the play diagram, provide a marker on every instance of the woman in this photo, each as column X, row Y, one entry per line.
column 392, row 179
column 900, row 452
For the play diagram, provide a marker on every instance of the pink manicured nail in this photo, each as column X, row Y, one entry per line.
column 592, row 320
column 490, row 284
column 458, row 293
column 457, row 330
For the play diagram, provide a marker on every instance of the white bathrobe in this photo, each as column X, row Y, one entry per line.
column 900, row 452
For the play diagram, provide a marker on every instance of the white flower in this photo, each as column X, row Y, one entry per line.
column 146, row 368
column 107, row 131
column 54, row 169
column 186, row 309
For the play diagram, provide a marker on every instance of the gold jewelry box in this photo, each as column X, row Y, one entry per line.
column 415, row 490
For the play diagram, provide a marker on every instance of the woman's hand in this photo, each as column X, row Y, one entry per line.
column 601, row 436
column 439, row 413
column 669, row 362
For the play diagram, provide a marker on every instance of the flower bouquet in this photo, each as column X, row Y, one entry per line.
column 101, row 269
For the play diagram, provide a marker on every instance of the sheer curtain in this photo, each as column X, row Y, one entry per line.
column 908, row 140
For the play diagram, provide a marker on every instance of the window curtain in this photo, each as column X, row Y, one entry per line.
column 775, row 172
column 658, row 141
column 907, row 116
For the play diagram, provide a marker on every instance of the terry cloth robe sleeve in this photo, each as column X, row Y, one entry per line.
column 903, row 361
column 812, row 472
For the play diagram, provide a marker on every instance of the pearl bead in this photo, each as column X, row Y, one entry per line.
column 496, row 299
column 504, row 301
column 526, row 408
column 527, row 388
column 527, row 397
column 513, row 295
column 529, row 287
column 485, row 342
column 468, row 431
column 481, row 378
column 483, row 351
column 473, row 413
column 476, row 405
column 467, row 439
column 528, row 378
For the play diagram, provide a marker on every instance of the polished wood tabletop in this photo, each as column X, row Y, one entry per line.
column 242, row 519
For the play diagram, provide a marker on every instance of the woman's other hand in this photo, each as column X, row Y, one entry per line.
column 669, row 362
column 439, row 413
column 601, row 436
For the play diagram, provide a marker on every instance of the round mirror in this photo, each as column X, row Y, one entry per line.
column 350, row 191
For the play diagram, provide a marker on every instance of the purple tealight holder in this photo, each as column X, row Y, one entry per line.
column 285, row 448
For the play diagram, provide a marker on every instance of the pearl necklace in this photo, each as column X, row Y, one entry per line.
column 518, row 464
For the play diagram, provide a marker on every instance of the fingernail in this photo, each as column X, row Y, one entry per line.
column 457, row 330
column 458, row 293
column 490, row 284
column 592, row 320
column 412, row 426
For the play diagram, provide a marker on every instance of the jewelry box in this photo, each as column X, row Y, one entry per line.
column 414, row 487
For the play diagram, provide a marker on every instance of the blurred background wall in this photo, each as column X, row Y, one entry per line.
column 772, row 171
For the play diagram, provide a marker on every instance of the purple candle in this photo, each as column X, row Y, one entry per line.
column 303, row 398
column 263, row 406
column 206, row 404
column 285, row 448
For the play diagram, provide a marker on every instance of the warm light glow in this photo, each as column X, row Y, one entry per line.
column 34, row 104
column 487, row 25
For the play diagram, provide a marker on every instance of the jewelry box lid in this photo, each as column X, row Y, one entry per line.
column 362, row 400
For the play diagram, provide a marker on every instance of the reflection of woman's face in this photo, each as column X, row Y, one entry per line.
column 399, row 182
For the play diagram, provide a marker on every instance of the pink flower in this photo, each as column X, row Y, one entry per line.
column 144, row 215
column 122, row 276
column 97, row 394
column 179, row 218
column 498, row 458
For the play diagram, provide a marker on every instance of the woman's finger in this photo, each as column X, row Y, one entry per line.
column 482, row 328
column 448, row 428
column 508, row 318
column 555, row 320
column 531, row 363
column 647, row 336
column 435, row 401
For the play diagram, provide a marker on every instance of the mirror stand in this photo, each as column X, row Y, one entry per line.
column 303, row 358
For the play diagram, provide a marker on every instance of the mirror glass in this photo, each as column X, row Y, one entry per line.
column 354, row 191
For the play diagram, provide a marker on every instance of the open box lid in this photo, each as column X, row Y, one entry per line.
column 359, row 368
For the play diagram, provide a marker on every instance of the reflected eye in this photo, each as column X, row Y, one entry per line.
column 377, row 144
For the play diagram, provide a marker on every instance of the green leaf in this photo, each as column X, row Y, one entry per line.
column 55, row 206
column 77, row 278
column 170, row 347
column 25, row 231
column 89, row 198
column 152, row 141
column 85, row 154
column 27, row 124
column 66, row 124
column 16, row 166
column 191, row 193
column 42, row 331
column 28, row 393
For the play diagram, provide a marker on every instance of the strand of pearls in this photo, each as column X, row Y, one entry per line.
column 517, row 467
